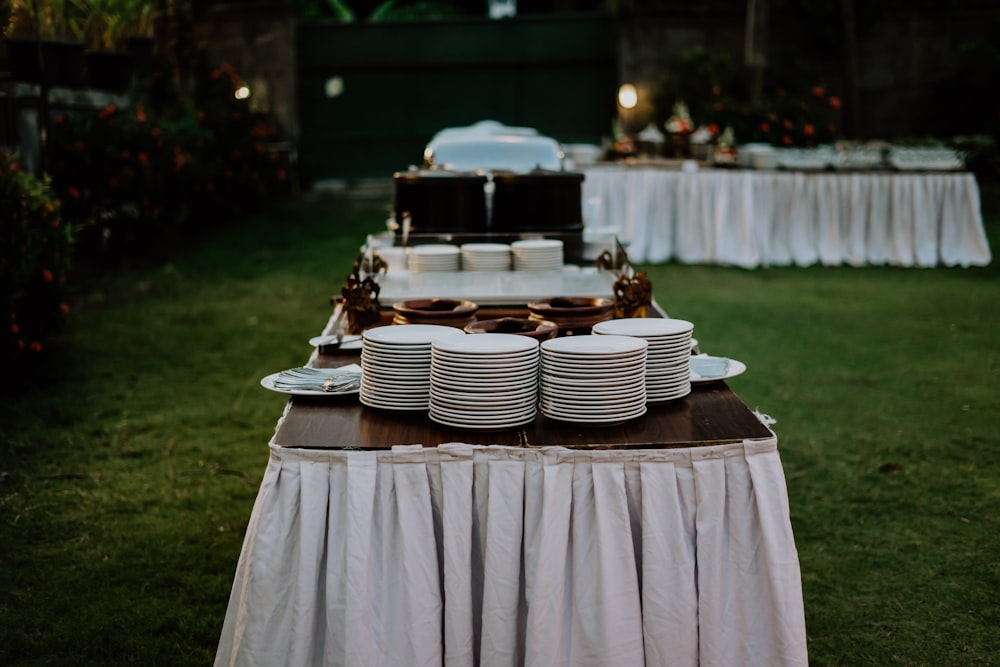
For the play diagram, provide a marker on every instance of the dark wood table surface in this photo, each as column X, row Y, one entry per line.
column 711, row 414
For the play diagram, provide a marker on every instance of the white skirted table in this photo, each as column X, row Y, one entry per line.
column 492, row 555
column 749, row 218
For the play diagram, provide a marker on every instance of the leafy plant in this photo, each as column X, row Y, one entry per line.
column 35, row 249
column 108, row 23
column 46, row 19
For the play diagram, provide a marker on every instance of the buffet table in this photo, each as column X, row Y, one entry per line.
column 382, row 538
column 752, row 218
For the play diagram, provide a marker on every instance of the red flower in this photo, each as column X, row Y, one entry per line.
column 713, row 128
column 47, row 276
column 59, row 120
column 140, row 115
column 63, row 308
column 107, row 111
column 143, row 158
column 809, row 130
column 765, row 127
column 14, row 329
column 835, row 102
column 787, row 140
column 155, row 131
column 818, row 91
column 281, row 175
column 35, row 346
column 788, row 124
column 716, row 90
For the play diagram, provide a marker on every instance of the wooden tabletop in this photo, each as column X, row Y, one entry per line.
column 711, row 414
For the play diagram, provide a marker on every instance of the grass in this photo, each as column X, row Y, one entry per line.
column 129, row 466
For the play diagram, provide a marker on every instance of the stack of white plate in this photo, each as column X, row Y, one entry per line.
column 593, row 379
column 668, row 357
column 434, row 257
column 396, row 365
column 485, row 257
column 484, row 382
column 537, row 255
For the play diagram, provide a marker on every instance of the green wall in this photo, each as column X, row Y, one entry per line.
column 404, row 81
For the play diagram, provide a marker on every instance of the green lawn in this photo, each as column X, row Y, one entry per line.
column 129, row 465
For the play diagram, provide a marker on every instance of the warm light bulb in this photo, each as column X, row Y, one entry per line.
column 628, row 96
column 242, row 93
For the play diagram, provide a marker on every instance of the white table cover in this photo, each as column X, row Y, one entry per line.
column 465, row 555
column 776, row 218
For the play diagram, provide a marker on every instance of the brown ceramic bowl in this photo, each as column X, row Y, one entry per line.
column 538, row 329
column 444, row 309
column 572, row 307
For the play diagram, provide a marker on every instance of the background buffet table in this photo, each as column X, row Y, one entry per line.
column 750, row 218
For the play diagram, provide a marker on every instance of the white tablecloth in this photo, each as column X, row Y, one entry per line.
column 464, row 555
column 775, row 218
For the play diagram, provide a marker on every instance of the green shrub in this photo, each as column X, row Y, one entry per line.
column 135, row 182
column 35, row 248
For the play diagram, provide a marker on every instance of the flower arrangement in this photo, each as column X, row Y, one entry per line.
column 35, row 247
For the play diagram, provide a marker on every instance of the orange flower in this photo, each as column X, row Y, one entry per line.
column 718, row 106
column 155, row 131
column 809, row 130
column 716, row 90
column 818, row 91
column 63, row 308
column 47, row 276
column 835, row 102
column 107, row 111
column 140, row 115
column 788, row 124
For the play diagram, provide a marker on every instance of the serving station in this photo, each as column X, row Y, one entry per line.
column 570, row 484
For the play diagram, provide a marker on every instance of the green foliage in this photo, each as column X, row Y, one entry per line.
column 35, row 247
column 136, row 182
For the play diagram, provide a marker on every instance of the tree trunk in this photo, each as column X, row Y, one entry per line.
column 851, row 106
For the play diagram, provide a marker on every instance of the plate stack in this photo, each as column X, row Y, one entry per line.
column 597, row 380
column 668, row 357
column 434, row 257
column 538, row 255
column 486, row 382
column 485, row 257
column 396, row 365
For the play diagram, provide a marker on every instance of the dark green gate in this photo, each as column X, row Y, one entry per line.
column 371, row 95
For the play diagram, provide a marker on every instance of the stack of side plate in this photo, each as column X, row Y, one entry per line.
column 485, row 382
column 396, row 365
column 668, row 357
column 596, row 380
column 485, row 257
column 537, row 255
column 434, row 257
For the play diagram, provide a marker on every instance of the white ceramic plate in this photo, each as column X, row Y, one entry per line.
column 735, row 368
column 348, row 342
column 612, row 347
column 410, row 334
column 654, row 327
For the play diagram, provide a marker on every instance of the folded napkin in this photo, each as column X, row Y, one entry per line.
column 707, row 368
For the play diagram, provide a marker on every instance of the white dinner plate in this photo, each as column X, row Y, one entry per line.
column 735, row 368
column 610, row 347
column 410, row 334
column 645, row 327
column 347, row 343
